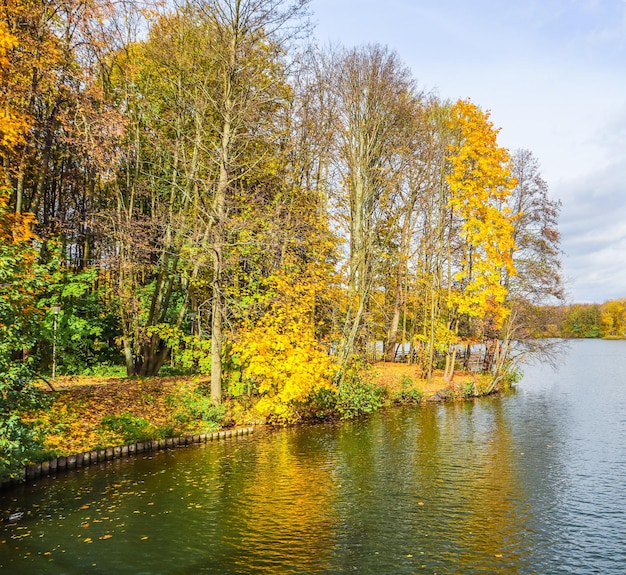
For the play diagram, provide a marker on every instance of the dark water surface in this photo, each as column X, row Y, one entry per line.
column 531, row 482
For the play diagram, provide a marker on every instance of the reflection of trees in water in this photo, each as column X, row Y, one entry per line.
column 449, row 486
column 283, row 507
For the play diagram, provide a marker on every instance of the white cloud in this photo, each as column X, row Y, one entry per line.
column 593, row 227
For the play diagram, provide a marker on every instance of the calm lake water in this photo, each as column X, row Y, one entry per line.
column 531, row 482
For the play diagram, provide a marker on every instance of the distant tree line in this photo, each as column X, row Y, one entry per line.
column 591, row 320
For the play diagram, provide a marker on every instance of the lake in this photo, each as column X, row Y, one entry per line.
column 531, row 482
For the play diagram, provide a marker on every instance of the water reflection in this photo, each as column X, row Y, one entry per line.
column 527, row 483
column 283, row 511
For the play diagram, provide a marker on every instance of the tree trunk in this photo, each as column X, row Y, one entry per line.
column 392, row 339
column 450, row 361
column 219, row 208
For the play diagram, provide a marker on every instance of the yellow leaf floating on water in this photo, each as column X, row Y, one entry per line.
column 144, row 538
column 106, row 536
column 87, row 540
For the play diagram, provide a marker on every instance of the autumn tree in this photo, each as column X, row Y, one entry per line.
column 375, row 101
column 250, row 36
column 613, row 314
column 407, row 216
column 209, row 88
column 480, row 184
column 535, row 232
column 429, row 225
column 68, row 134
column 163, row 174
column 427, row 229
column 54, row 172
column 12, row 124
column 282, row 354
column 21, row 279
column 537, row 258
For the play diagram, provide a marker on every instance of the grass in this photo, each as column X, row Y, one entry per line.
column 89, row 412
column 397, row 378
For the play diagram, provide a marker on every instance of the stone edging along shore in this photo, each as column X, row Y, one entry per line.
column 59, row 464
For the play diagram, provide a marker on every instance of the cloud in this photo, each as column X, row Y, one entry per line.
column 611, row 136
column 593, row 228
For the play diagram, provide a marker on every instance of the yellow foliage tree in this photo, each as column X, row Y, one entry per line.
column 282, row 354
column 613, row 318
column 480, row 184
column 14, row 228
column 12, row 124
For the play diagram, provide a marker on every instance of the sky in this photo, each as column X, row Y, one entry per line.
column 552, row 73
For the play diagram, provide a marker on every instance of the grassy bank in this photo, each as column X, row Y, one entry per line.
column 86, row 413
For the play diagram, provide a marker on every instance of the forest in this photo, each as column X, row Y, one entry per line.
column 589, row 320
column 198, row 187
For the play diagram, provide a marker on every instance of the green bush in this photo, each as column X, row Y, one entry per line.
column 408, row 396
column 322, row 404
column 20, row 442
column 195, row 405
column 511, row 378
column 18, row 446
column 408, row 393
column 469, row 389
column 105, row 370
column 357, row 394
column 130, row 428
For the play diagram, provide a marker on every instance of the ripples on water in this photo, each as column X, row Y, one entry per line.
column 532, row 482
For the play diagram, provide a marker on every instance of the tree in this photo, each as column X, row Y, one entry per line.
column 613, row 315
column 12, row 125
column 249, row 36
column 375, row 103
column 163, row 184
column 203, row 95
column 437, row 231
column 582, row 320
column 422, row 212
column 537, row 259
column 21, row 278
column 534, row 216
column 480, row 186
column 282, row 353
column 54, row 172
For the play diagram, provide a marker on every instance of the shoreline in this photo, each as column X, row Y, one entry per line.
column 63, row 464
column 85, row 401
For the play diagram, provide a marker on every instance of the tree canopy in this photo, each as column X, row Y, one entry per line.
column 198, row 187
